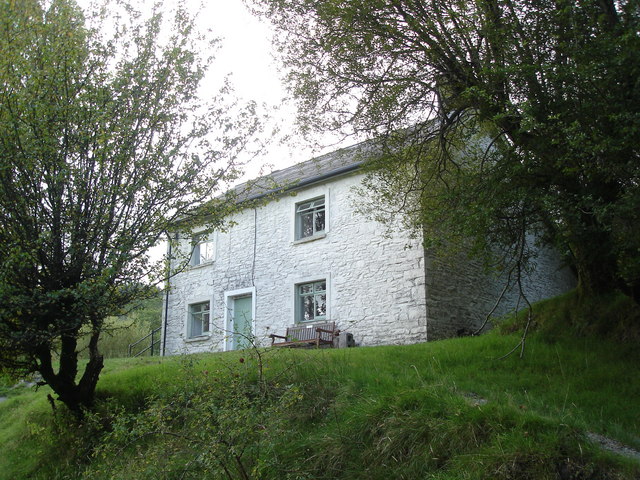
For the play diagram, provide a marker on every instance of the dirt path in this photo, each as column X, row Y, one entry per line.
column 603, row 442
column 613, row 446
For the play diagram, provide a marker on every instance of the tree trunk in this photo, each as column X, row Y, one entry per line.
column 89, row 380
column 77, row 397
column 595, row 266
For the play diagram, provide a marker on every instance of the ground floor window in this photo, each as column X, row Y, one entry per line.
column 312, row 301
column 199, row 319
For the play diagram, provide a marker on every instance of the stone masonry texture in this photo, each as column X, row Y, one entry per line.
column 379, row 287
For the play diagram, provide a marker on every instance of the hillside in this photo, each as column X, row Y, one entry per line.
column 441, row 410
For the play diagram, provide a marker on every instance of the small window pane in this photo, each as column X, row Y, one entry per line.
column 308, row 308
column 312, row 301
column 310, row 218
column 319, row 223
column 196, row 329
column 306, row 225
column 198, row 319
column 206, row 251
column 203, row 251
column 321, row 305
column 205, row 322
column 303, row 207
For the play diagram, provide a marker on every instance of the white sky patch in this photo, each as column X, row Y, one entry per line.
column 246, row 55
column 246, row 50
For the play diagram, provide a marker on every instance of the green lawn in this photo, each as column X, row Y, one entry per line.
column 441, row 410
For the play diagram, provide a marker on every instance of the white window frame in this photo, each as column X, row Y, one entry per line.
column 197, row 242
column 190, row 320
column 297, row 304
column 229, row 297
column 297, row 236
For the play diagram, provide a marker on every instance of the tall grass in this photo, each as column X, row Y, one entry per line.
column 442, row 410
column 612, row 316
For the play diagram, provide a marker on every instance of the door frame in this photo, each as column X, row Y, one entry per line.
column 229, row 298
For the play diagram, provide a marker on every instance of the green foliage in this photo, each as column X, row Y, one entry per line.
column 104, row 145
column 119, row 332
column 546, row 93
column 424, row 432
column 217, row 423
column 612, row 316
column 149, row 311
column 5, row 383
column 442, row 410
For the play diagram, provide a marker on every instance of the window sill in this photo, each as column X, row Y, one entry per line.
column 200, row 265
column 312, row 238
column 199, row 338
column 310, row 323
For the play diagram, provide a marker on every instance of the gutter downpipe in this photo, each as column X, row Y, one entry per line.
column 166, row 300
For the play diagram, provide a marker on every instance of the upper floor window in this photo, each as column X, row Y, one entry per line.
column 310, row 218
column 199, row 319
column 202, row 251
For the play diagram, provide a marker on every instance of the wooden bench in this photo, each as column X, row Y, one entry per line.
column 307, row 335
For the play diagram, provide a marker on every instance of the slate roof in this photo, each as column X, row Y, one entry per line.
column 317, row 169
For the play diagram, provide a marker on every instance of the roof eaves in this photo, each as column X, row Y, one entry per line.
column 305, row 182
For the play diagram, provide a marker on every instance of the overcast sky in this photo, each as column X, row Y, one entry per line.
column 246, row 49
column 246, row 54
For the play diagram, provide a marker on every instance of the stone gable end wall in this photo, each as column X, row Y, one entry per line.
column 460, row 294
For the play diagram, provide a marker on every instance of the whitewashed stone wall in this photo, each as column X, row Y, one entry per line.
column 375, row 284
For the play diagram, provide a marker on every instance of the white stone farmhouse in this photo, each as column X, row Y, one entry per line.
column 306, row 257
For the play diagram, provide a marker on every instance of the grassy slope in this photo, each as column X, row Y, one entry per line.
column 383, row 412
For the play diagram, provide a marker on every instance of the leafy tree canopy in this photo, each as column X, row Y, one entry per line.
column 550, row 90
column 104, row 144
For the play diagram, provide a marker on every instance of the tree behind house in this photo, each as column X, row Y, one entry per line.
column 552, row 86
